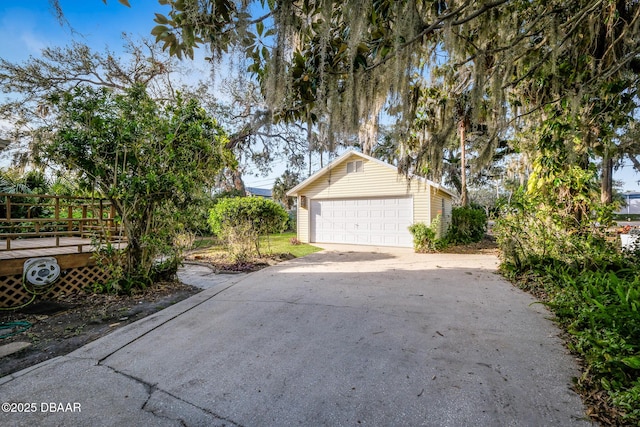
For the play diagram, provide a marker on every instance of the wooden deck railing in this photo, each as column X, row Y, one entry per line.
column 36, row 216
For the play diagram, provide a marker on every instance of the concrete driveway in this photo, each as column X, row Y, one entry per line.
column 349, row 336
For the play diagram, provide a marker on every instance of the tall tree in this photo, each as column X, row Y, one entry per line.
column 139, row 153
column 344, row 59
column 341, row 63
column 254, row 138
column 282, row 184
column 62, row 68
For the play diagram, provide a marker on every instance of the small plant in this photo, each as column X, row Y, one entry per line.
column 117, row 280
column 71, row 331
column 425, row 236
column 100, row 288
column 112, row 261
column 294, row 241
column 34, row 338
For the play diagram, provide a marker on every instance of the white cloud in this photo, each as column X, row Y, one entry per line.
column 33, row 44
column 27, row 32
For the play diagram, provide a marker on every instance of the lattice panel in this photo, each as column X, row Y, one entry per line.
column 13, row 294
column 77, row 279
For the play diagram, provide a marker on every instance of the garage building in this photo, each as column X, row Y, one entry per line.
column 357, row 199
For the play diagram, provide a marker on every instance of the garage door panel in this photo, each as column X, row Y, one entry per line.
column 378, row 221
column 377, row 227
column 388, row 240
column 390, row 227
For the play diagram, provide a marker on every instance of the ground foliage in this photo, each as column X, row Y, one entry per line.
column 425, row 237
column 554, row 244
column 599, row 310
column 468, row 225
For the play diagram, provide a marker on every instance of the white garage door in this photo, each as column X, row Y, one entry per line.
column 379, row 221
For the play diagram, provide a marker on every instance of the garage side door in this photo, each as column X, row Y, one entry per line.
column 377, row 221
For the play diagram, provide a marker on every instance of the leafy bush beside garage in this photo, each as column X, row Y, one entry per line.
column 468, row 225
column 240, row 221
column 425, row 236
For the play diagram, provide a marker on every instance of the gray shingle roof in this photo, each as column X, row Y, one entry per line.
column 261, row 192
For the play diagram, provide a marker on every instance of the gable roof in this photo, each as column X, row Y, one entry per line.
column 342, row 158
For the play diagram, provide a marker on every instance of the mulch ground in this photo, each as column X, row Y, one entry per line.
column 61, row 326
column 487, row 245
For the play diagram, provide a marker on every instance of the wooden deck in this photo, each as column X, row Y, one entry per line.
column 37, row 225
column 49, row 246
column 63, row 227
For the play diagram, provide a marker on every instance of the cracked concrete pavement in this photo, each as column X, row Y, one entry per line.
column 347, row 336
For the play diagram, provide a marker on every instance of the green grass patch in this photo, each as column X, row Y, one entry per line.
column 282, row 244
column 272, row 244
column 205, row 242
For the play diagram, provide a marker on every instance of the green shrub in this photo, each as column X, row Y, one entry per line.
column 468, row 225
column 531, row 233
column 557, row 248
column 599, row 310
column 240, row 222
column 425, row 236
column 292, row 221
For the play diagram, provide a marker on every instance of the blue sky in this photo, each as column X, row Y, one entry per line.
column 28, row 26
column 629, row 177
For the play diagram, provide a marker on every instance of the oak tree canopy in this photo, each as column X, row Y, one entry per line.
column 497, row 69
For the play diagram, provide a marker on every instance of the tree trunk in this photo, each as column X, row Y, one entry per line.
column 606, row 186
column 138, row 262
column 238, row 183
column 134, row 257
column 464, row 201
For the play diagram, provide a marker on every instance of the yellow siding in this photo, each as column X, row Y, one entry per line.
column 303, row 221
column 421, row 207
column 446, row 217
column 442, row 209
column 376, row 180
column 436, row 204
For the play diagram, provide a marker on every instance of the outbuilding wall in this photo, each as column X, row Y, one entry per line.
column 376, row 180
column 441, row 204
